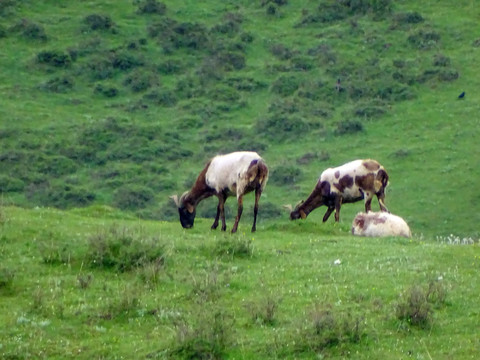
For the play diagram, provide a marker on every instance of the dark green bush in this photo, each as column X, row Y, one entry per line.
column 10, row 184
column 169, row 67
column 281, row 127
column 162, row 97
column 54, row 58
column 124, row 60
column 448, row 75
column 29, row 30
column 100, row 68
column 424, row 39
column 408, row 18
column 58, row 84
column 139, row 81
column 441, row 60
column 152, row 7
column 345, row 127
column 62, row 196
column 98, row 22
column 285, row 175
column 108, row 91
column 132, row 197
column 285, row 85
column 3, row 32
column 6, row 279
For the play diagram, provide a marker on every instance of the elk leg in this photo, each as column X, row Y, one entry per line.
column 258, row 193
column 220, row 212
column 239, row 213
column 338, row 204
column 328, row 213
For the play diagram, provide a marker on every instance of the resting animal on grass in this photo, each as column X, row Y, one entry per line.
column 237, row 173
column 351, row 182
column 380, row 224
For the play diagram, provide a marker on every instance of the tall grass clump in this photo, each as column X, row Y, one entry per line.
column 123, row 249
column 207, row 334
column 416, row 305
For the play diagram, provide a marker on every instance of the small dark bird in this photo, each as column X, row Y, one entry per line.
column 462, row 95
column 338, row 86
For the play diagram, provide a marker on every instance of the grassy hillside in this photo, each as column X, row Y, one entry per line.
column 93, row 283
column 122, row 103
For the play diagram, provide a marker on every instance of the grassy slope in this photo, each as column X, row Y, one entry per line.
column 119, row 314
column 430, row 187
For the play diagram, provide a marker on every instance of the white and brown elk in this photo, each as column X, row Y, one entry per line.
column 237, row 173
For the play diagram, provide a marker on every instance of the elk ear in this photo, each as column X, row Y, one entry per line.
column 303, row 215
column 190, row 208
column 175, row 200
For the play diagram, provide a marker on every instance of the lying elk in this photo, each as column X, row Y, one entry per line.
column 351, row 182
column 237, row 173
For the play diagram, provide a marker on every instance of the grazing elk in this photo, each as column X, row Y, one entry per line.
column 237, row 173
column 351, row 182
column 379, row 224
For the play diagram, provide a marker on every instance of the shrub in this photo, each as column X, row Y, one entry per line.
column 325, row 327
column 10, row 184
column 416, row 305
column 140, row 81
column 98, row 22
column 58, row 84
column 29, row 30
column 151, row 7
column 264, row 311
column 282, row 127
column 108, row 92
column 6, row 279
column 54, row 58
column 285, row 175
column 234, row 247
column 285, row 85
column 169, row 67
column 132, row 197
column 408, row 18
column 54, row 253
column 448, row 75
column 123, row 249
column 124, row 60
column 207, row 335
column 162, row 97
column 441, row 60
column 424, row 39
column 348, row 127
column 61, row 196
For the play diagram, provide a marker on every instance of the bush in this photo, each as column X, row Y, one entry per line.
column 61, row 196
column 140, row 81
column 30, row 30
column 285, row 175
column 441, row 60
column 10, row 184
column 54, row 58
column 348, row 127
column 6, row 279
column 123, row 249
column 98, row 22
column 285, row 85
column 424, row 39
column 132, row 197
column 108, row 92
column 152, row 7
column 58, row 85
column 207, row 335
column 417, row 304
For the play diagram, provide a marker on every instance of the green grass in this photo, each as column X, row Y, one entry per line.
column 134, row 112
column 59, row 303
